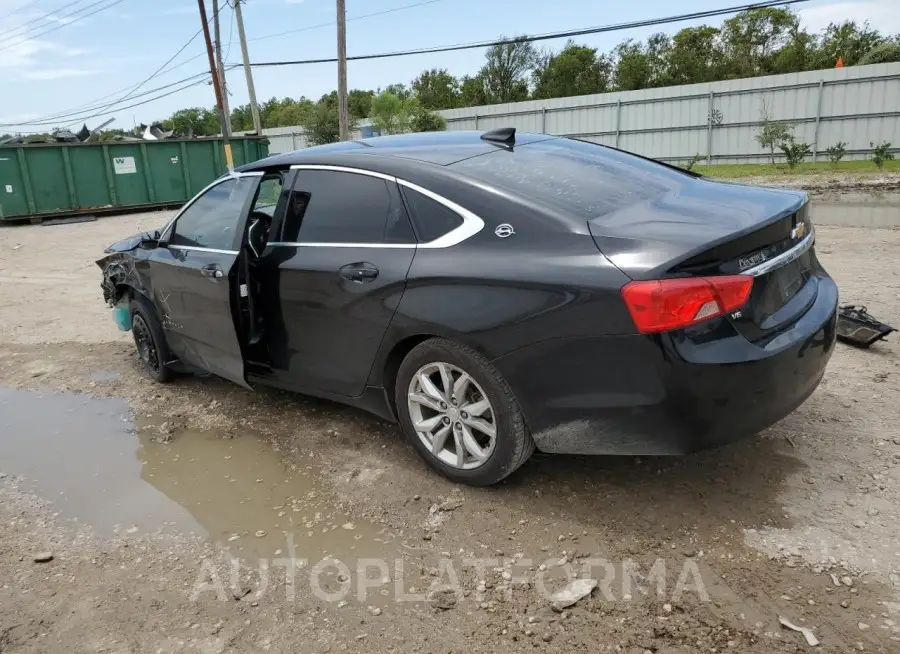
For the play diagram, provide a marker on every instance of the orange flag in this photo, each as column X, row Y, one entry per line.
column 840, row 63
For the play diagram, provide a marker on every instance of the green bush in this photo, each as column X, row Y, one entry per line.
column 881, row 153
column 837, row 151
column 794, row 151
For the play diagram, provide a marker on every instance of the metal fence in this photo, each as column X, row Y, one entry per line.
column 718, row 120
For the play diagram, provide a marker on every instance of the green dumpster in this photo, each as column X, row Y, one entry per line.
column 43, row 180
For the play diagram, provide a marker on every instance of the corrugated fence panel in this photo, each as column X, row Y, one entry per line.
column 857, row 105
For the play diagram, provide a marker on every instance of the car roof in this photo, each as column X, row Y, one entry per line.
column 440, row 148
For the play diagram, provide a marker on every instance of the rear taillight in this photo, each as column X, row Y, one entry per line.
column 664, row 304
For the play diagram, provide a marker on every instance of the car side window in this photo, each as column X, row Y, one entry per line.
column 268, row 194
column 212, row 219
column 337, row 207
column 431, row 219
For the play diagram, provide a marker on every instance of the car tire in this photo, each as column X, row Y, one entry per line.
column 511, row 445
column 150, row 341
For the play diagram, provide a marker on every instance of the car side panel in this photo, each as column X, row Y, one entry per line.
column 323, row 330
column 499, row 295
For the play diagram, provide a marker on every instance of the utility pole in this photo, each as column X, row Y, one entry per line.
column 220, row 66
column 251, row 90
column 343, row 119
column 229, row 159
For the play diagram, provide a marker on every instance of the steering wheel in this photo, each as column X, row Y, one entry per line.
column 258, row 232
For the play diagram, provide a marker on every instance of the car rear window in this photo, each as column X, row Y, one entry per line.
column 577, row 177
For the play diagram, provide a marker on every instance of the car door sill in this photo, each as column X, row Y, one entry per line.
column 373, row 399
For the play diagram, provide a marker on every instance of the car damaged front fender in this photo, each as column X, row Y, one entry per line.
column 119, row 275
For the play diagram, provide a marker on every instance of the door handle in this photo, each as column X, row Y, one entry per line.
column 359, row 272
column 213, row 271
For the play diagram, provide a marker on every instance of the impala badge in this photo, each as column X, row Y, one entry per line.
column 504, row 230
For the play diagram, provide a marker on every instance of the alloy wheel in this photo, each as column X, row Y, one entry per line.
column 452, row 416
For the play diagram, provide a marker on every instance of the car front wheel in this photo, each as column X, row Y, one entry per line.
column 153, row 351
column 460, row 414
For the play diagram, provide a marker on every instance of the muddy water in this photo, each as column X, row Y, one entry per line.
column 857, row 210
column 85, row 456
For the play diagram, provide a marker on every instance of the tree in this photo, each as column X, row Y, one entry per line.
column 882, row 54
column 391, row 114
column 423, row 120
column 695, row 55
column 359, row 102
column 471, row 91
column 575, row 70
column 321, row 124
column 400, row 90
column 632, row 70
column 436, row 89
column 772, row 133
column 847, row 40
column 194, row 120
column 505, row 72
column 752, row 38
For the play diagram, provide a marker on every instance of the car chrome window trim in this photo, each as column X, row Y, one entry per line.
column 783, row 258
column 219, row 180
column 471, row 225
column 194, row 248
column 382, row 246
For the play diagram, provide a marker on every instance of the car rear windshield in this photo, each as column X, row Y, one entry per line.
column 577, row 177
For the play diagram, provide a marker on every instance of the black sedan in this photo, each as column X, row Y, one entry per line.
column 493, row 293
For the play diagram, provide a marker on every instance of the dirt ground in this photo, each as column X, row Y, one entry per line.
column 696, row 554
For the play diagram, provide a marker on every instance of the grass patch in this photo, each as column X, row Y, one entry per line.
column 731, row 171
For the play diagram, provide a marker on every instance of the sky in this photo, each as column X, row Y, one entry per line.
column 97, row 59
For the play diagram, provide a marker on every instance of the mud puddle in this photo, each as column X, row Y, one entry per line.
column 85, row 456
column 857, row 210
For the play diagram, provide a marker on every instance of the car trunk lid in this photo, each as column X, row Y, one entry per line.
column 708, row 228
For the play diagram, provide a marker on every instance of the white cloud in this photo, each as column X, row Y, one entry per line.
column 56, row 73
column 15, row 119
column 882, row 15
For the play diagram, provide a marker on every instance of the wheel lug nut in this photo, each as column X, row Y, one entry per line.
column 458, row 425
column 443, row 405
column 464, row 415
column 446, row 420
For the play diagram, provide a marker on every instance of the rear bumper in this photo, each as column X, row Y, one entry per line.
column 672, row 393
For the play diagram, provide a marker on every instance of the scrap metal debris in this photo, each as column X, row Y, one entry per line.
column 856, row 327
column 811, row 639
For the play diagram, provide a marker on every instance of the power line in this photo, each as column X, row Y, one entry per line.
column 131, row 106
column 158, row 70
column 31, row 37
column 349, row 18
column 48, row 16
column 230, row 30
column 93, row 106
column 21, row 8
column 62, row 117
column 540, row 37
column 52, row 118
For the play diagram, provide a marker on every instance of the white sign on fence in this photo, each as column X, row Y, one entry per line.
column 124, row 165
